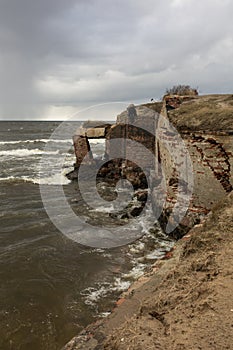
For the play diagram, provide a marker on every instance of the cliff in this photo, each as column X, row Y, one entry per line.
column 208, row 113
column 191, row 163
column 185, row 302
column 205, row 124
column 198, row 113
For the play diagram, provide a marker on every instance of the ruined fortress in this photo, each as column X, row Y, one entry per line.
column 183, row 146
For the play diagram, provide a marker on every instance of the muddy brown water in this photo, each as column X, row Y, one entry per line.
column 50, row 286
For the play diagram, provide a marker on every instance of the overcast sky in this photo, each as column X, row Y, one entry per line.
column 57, row 56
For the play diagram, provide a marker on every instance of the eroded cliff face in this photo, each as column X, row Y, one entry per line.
column 205, row 126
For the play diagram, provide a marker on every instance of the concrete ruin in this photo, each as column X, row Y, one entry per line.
column 205, row 125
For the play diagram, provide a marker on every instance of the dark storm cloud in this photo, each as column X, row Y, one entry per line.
column 57, row 54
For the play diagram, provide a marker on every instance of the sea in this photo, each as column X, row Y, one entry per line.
column 51, row 286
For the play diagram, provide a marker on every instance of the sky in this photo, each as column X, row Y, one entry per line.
column 58, row 57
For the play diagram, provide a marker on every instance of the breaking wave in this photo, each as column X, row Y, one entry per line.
column 142, row 254
column 56, row 179
column 34, row 141
column 25, row 152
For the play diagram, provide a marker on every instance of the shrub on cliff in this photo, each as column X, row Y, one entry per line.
column 182, row 90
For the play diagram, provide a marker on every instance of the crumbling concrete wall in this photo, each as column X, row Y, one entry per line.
column 212, row 157
column 212, row 160
column 82, row 149
column 134, row 151
column 137, row 124
column 211, row 153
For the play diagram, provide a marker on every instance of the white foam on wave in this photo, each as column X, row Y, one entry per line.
column 93, row 294
column 108, row 209
column 157, row 254
column 8, row 178
column 56, row 179
column 25, row 152
column 36, row 140
column 136, row 272
column 142, row 254
column 137, row 248
column 120, row 285
column 104, row 314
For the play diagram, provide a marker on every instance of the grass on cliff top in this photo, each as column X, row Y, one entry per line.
column 156, row 106
column 209, row 112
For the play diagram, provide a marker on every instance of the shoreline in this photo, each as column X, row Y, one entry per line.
column 137, row 308
column 84, row 339
column 173, row 306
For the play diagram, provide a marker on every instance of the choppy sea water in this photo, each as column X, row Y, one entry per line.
column 52, row 287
